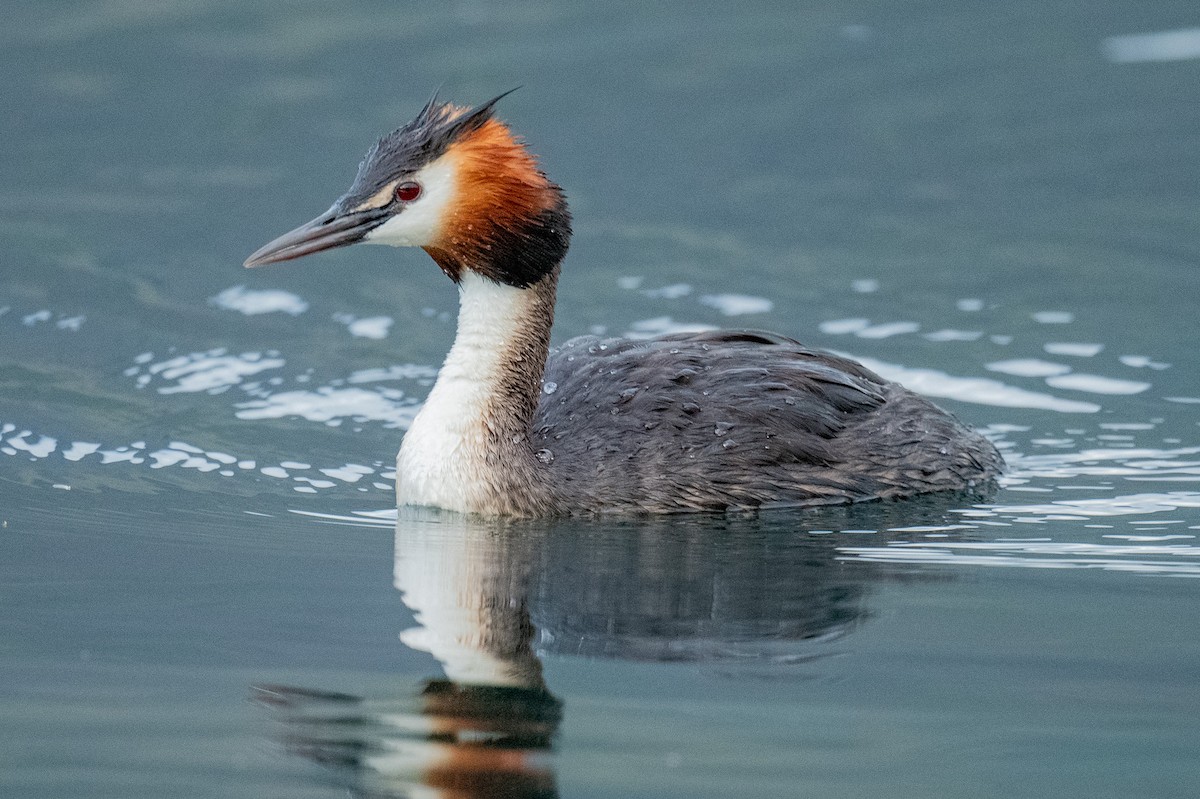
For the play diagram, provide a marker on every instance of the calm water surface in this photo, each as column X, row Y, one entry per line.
column 207, row 591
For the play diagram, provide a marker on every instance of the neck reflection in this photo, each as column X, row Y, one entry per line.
column 468, row 584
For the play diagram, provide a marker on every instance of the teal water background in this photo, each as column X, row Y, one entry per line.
column 996, row 205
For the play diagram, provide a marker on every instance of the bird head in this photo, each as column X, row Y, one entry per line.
column 456, row 182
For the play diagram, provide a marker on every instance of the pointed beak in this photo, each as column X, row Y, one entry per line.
column 331, row 229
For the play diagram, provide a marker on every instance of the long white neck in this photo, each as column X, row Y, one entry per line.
column 467, row 449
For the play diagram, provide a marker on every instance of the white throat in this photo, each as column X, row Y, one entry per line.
column 443, row 459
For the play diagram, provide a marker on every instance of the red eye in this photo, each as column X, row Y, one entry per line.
column 408, row 191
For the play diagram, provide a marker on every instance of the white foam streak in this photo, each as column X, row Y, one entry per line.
column 350, row 473
column 888, row 329
column 979, row 390
column 840, row 327
column 329, row 404
column 1028, row 367
column 737, row 304
column 372, row 327
column 1141, row 463
column 1076, row 349
column 663, row 326
column 79, row 450
column 36, row 449
column 1037, row 556
column 1173, row 45
column 399, row 372
column 213, row 372
column 1105, row 507
column 252, row 302
column 1097, row 384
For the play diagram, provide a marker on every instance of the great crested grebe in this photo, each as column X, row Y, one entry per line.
column 732, row 419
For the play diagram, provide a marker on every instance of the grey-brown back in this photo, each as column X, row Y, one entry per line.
column 738, row 419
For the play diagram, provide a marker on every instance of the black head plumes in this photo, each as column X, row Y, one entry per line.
column 420, row 142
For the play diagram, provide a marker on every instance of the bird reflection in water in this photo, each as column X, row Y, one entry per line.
column 491, row 597
column 451, row 740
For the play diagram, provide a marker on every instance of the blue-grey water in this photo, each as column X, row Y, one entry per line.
column 205, row 588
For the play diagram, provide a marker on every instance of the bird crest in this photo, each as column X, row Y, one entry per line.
column 423, row 140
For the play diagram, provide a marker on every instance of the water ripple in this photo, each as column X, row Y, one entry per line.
column 1173, row 560
column 1131, row 505
column 1141, row 462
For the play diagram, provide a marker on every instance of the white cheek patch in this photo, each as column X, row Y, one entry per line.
column 418, row 224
